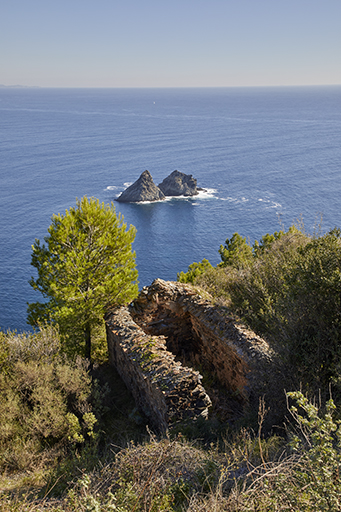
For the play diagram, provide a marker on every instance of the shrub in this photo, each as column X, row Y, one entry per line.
column 236, row 252
column 158, row 476
column 194, row 270
column 292, row 294
column 287, row 287
column 44, row 398
column 306, row 477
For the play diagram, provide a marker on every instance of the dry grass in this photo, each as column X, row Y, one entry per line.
column 242, row 473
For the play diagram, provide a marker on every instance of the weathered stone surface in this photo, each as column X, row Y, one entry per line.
column 171, row 321
column 205, row 333
column 144, row 189
column 163, row 389
column 179, row 184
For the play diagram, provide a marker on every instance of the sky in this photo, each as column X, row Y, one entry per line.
column 170, row 43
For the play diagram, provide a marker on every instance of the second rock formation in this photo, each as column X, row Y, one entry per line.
column 179, row 184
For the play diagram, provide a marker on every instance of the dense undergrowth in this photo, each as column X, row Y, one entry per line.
column 287, row 288
column 71, row 438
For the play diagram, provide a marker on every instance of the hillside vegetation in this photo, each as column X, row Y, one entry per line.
column 287, row 288
column 72, row 440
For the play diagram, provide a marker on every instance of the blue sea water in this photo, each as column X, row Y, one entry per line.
column 265, row 155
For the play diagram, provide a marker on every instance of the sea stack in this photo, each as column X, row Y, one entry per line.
column 179, row 184
column 144, row 189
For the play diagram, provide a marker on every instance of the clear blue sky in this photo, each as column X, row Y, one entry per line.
column 170, row 43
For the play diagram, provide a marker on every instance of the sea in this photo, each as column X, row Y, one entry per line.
column 267, row 157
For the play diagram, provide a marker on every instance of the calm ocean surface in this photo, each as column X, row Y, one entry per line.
column 265, row 155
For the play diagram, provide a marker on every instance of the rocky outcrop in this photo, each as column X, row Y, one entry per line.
column 179, row 184
column 144, row 189
column 169, row 330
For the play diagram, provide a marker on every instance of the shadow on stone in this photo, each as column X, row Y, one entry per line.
column 170, row 337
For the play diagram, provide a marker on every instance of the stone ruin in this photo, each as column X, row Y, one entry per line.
column 162, row 338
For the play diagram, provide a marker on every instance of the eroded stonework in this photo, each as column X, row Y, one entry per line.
column 169, row 329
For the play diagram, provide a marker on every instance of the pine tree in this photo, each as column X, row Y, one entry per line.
column 86, row 267
column 236, row 252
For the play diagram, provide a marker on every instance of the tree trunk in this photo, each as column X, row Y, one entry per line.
column 87, row 336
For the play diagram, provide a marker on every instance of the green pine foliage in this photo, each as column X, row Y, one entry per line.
column 85, row 267
column 194, row 270
column 236, row 252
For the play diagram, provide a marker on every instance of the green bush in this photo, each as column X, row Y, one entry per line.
column 287, row 287
column 236, row 252
column 194, row 270
column 258, row 291
column 44, row 398
column 291, row 293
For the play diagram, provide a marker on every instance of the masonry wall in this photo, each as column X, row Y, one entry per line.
column 169, row 329
column 164, row 390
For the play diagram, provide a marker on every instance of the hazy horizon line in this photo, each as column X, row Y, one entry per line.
column 20, row 86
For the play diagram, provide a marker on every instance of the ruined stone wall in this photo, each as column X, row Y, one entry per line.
column 163, row 389
column 242, row 361
column 170, row 323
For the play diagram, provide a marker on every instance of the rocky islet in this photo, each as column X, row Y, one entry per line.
column 144, row 188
